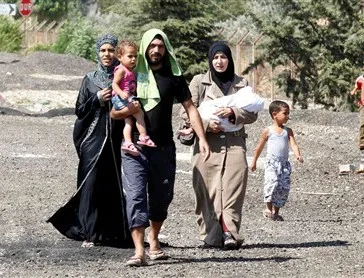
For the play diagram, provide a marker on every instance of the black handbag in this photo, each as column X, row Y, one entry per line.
column 187, row 140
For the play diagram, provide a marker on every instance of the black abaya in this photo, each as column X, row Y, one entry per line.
column 95, row 213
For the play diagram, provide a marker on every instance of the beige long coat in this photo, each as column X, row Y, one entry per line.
column 220, row 182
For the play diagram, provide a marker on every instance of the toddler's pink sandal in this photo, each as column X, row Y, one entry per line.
column 146, row 141
column 128, row 147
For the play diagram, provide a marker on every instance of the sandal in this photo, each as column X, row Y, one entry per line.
column 268, row 214
column 277, row 217
column 128, row 147
column 229, row 242
column 360, row 170
column 136, row 261
column 157, row 255
column 271, row 216
column 146, row 141
column 87, row 244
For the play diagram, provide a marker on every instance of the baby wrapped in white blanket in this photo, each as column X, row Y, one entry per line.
column 244, row 98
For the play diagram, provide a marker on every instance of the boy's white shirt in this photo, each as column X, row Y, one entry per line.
column 244, row 98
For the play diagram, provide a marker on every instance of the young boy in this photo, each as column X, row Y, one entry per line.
column 277, row 167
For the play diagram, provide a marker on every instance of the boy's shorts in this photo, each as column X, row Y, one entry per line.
column 120, row 103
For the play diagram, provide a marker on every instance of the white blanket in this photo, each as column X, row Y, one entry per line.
column 244, row 99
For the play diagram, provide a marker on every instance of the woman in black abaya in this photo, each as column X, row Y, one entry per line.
column 95, row 213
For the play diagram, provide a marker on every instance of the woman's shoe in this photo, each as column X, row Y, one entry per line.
column 229, row 242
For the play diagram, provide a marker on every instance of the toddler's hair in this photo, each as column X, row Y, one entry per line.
column 124, row 43
column 276, row 106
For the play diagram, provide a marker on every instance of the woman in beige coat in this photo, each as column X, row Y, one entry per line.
column 220, row 182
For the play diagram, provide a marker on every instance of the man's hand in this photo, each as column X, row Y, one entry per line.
column 253, row 167
column 204, row 149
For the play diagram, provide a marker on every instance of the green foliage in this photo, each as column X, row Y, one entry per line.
column 10, row 35
column 161, row 10
column 223, row 10
column 41, row 47
column 188, row 26
column 322, row 40
column 354, row 43
column 77, row 37
column 190, row 43
column 51, row 9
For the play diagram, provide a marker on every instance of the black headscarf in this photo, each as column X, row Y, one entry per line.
column 222, row 79
column 103, row 76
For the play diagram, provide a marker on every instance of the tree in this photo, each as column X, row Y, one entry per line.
column 188, row 26
column 223, row 10
column 321, row 39
column 51, row 9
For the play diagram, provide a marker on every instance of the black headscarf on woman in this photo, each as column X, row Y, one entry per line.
column 222, row 79
column 103, row 75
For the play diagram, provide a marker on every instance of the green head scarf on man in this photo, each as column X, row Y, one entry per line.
column 147, row 90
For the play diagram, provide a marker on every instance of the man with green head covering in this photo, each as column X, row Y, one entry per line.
column 148, row 179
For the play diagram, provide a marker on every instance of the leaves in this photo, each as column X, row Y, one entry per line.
column 78, row 38
column 319, row 44
column 322, row 39
column 10, row 35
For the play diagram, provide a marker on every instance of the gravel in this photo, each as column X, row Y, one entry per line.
column 322, row 235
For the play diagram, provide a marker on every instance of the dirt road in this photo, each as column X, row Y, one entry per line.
column 322, row 235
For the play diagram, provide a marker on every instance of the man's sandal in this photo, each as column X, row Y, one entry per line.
column 128, row 147
column 87, row 244
column 157, row 255
column 146, row 141
column 136, row 261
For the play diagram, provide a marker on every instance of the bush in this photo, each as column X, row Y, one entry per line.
column 10, row 35
column 41, row 47
column 77, row 37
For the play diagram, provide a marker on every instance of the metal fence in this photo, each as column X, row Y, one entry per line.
column 244, row 51
column 39, row 33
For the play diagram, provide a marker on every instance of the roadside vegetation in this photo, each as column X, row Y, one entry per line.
column 321, row 41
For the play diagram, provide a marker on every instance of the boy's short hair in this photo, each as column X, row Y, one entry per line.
column 276, row 106
column 123, row 43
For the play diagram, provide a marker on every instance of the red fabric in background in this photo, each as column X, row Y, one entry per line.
column 360, row 86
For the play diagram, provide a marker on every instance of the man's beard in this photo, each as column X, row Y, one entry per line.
column 155, row 62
